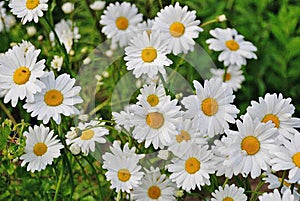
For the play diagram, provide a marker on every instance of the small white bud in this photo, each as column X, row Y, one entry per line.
column 75, row 149
column 71, row 135
column 67, row 7
column 109, row 53
column 31, row 30
column 87, row 61
column 222, row 18
column 40, row 37
column 97, row 5
column 105, row 74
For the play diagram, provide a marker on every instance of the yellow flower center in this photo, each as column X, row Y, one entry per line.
column 21, row 75
column 153, row 100
column 124, row 175
column 32, row 4
column 227, row 77
column 88, row 134
column 228, row 199
column 155, row 120
column 154, row 192
column 273, row 118
column 209, row 106
column 251, row 145
column 284, row 182
column 192, row 165
column 232, row 45
column 183, row 136
column 296, row 159
column 53, row 98
column 177, row 29
column 122, row 23
column 149, row 54
column 40, row 149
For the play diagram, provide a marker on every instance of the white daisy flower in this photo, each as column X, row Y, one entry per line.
column 146, row 54
column 233, row 77
column 152, row 95
column 275, row 196
column 192, row 169
column 59, row 97
column 6, row 21
column 19, row 73
column 211, row 107
column 120, row 22
column 250, row 148
column 275, row 182
column 123, row 169
column 28, row 10
column 67, row 33
column 155, row 125
column 180, row 26
column 235, row 50
column 57, row 62
column 287, row 157
column 186, row 135
column 123, row 118
column 278, row 110
column 41, row 148
column 229, row 193
column 89, row 134
column 154, row 187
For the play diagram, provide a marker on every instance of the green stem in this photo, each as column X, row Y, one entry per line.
column 225, row 182
column 282, row 179
column 119, row 196
column 256, row 191
column 7, row 112
column 209, row 22
column 59, row 183
column 160, row 3
column 99, row 107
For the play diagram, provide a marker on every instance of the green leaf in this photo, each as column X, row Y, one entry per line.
column 4, row 133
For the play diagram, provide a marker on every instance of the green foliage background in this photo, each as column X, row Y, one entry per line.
column 272, row 26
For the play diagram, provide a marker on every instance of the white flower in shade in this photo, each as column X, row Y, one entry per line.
column 233, row 77
column 145, row 26
column 278, row 110
column 180, row 26
column 123, row 118
column 155, row 125
column 120, row 22
column 275, row 182
column 229, row 193
column 67, row 7
column 154, row 187
column 9, row 21
column 57, row 62
column 250, row 148
column 123, row 169
column 28, row 10
column 41, row 148
column 19, row 73
column 211, row 107
column 2, row 10
column 146, row 54
column 67, row 33
column 59, row 97
column 152, row 95
column 235, row 50
column 192, row 169
column 88, row 135
column 186, row 135
column 287, row 157
column 97, row 5
column 275, row 196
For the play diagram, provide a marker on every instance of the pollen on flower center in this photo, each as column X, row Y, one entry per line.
column 251, row 145
column 122, row 23
column 40, row 149
column 183, row 136
column 296, row 159
column 228, row 199
column 32, row 4
column 155, row 120
column 154, row 192
column 232, row 45
column 53, row 98
column 177, row 29
column 88, row 134
column 209, row 106
column 227, row 77
column 153, row 100
column 124, row 175
column 273, row 118
column 192, row 165
column 149, row 54
column 21, row 75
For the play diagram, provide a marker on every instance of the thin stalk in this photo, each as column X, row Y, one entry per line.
column 59, row 183
column 225, row 182
column 256, row 191
column 7, row 112
column 209, row 22
column 282, row 179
